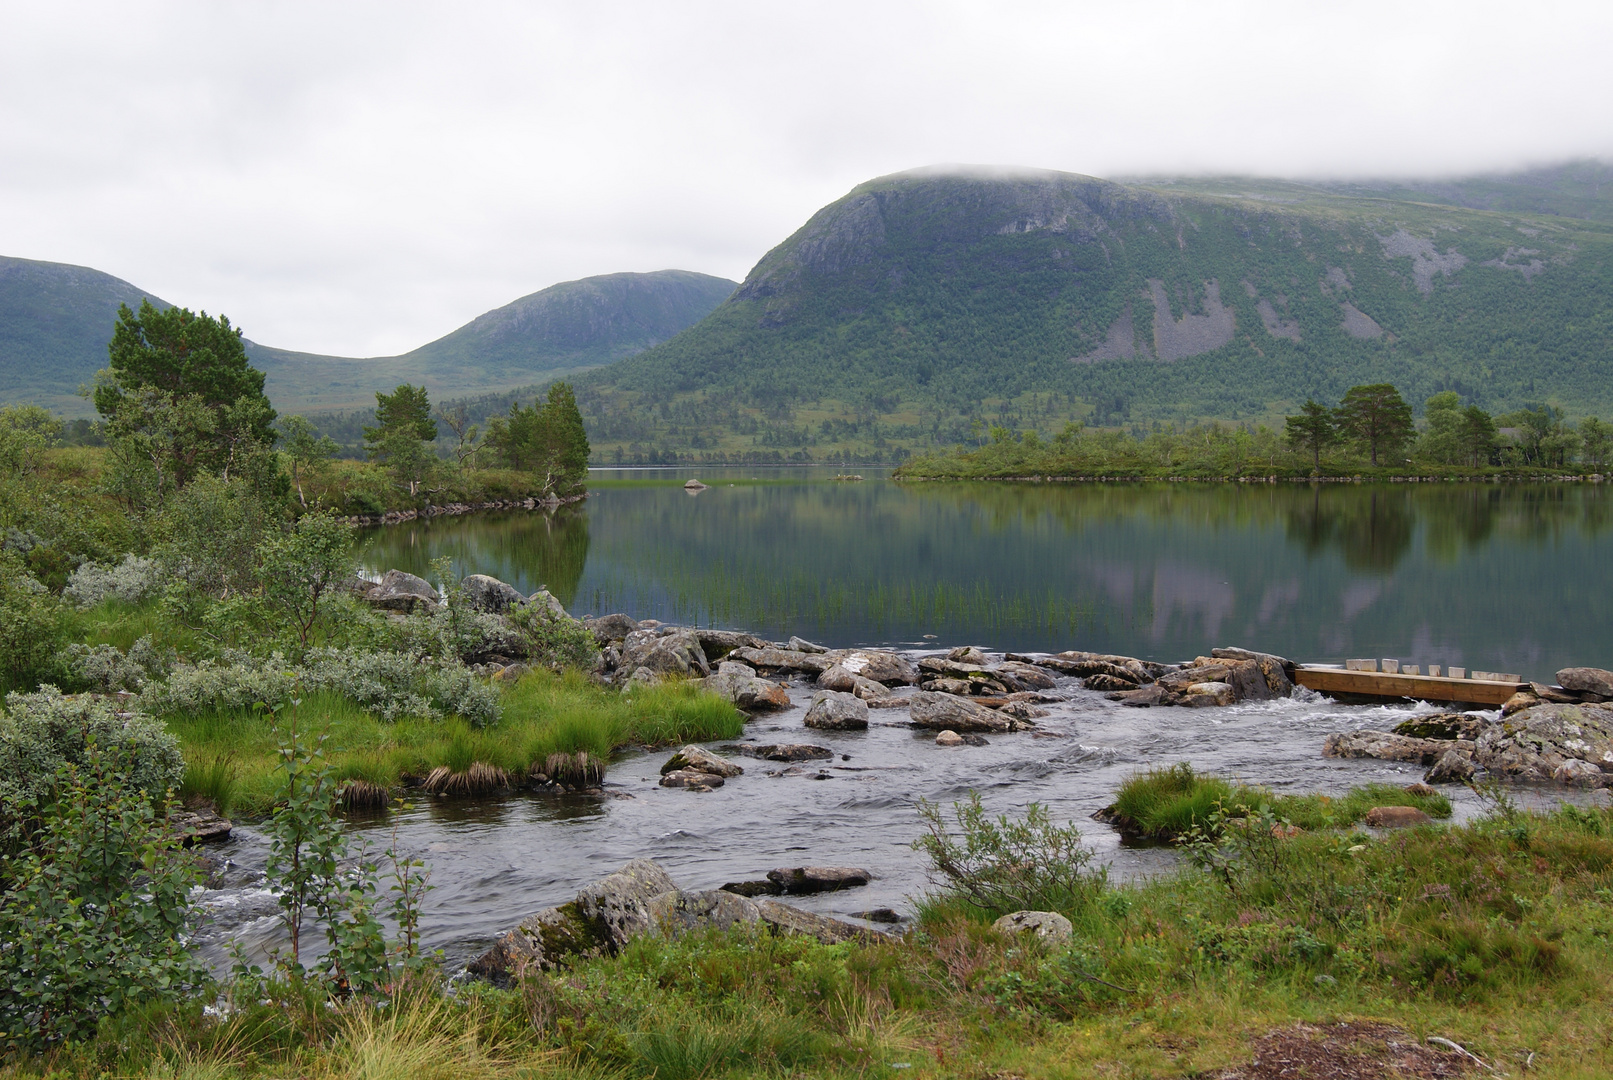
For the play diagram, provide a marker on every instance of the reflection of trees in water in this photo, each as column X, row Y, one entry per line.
column 1371, row 528
column 528, row 550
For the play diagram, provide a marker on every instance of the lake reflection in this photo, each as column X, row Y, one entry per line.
column 1489, row 576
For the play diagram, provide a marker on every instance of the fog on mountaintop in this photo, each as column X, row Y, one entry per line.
column 357, row 182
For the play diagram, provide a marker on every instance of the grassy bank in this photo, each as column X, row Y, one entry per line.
column 1492, row 935
column 1169, row 804
column 232, row 756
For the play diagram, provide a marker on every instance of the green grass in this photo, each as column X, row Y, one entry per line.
column 1165, row 804
column 543, row 714
column 1492, row 934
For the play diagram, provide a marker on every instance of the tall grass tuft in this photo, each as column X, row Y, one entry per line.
column 210, row 780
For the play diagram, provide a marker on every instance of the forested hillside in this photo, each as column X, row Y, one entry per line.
column 923, row 307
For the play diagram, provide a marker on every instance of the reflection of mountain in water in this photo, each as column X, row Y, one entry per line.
column 1435, row 573
column 528, row 550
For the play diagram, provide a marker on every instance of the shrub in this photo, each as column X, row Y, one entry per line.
column 553, row 638
column 43, row 732
column 32, row 626
column 132, row 581
column 106, row 669
column 92, row 914
column 390, row 684
column 1001, row 865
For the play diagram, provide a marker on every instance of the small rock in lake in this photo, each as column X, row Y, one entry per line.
column 1396, row 817
column 754, row 888
column 787, row 751
column 881, row 915
column 1453, row 767
column 700, row 759
column 804, row 880
column 691, row 780
column 949, row 738
column 834, row 711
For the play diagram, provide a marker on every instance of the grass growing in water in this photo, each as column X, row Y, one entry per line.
column 1166, row 804
column 544, row 714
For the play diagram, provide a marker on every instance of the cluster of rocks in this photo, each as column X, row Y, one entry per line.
column 640, row 900
column 1560, row 741
column 1576, row 686
column 1225, row 677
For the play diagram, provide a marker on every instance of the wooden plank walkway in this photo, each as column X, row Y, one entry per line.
column 1385, row 684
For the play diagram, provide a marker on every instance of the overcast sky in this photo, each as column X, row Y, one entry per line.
column 360, row 178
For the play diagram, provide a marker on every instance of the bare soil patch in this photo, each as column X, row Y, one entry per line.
column 1351, row 1051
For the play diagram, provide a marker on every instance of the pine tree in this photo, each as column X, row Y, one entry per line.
column 1377, row 417
column 1313, row 429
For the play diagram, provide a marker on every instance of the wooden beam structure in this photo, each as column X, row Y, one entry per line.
column 1337, row 680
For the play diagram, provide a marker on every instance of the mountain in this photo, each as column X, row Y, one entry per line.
column 926, row 303
column 558, row 331
column 56, row 320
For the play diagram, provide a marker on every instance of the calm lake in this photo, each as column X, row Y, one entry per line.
column 1484, row 576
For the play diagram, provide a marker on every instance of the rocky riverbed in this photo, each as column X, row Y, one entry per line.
column 838, row 794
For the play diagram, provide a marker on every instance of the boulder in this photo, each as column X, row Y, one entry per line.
column 734, row 667
column 949, row 738
column 675, row 653
column 837, row 677
column 510, row 673
column 701, row 760
column 970, row 655
column 677, row 912
column 1535, row 743
column 747, row 692
column 1108, row 683
column 1210, row 694
column 804, row 880
column 1022, row 710
column 881, row 667
column 602, row 918
column 485, row 593
column 832, row 711
column 1453, row 767
column 1523, row 699
column 803, row 645
column 1442, row 726
column 956, row 687
column 543, row 599
column 1024, row 678
column 1580, row 774
column 789, row 920
column 782, row 660
column 719, row 643
column 1396, row 817
column 691, row 780
column 787, row 751
column 1047, row 926
column 1587, row 680
column 642, row 676
column 754, row 888
column 611, row 628
column 1142, row 697
column 399, row 591
column 1385, row 746
column 940, row 712
column 1277, row 671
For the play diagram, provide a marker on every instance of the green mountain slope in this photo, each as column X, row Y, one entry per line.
column 563, row 329
column 56, row 320
column 923, row 301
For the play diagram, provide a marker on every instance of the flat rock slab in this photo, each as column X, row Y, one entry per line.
column 786, row 751
column 943, row 712
column 1387, row 746
column 678, row 912
column 1587, row 680
column 691, row 780
column 198, row 826
column 789, row 920
column 783, row 660
column 805, row 880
